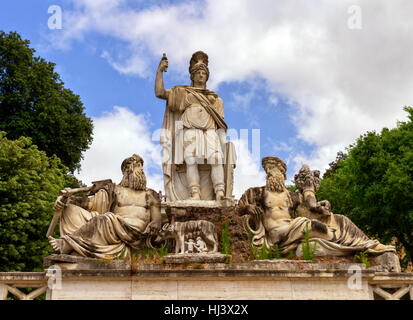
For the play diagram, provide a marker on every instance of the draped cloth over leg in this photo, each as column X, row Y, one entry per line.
column 185, row 136
column 74, row 217
column 99, row 233
column 348, row 238
column 106, row 236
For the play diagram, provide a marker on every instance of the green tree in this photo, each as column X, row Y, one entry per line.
column 373, row 184
column 34, row 103
column 333, row 166
column 29, row 184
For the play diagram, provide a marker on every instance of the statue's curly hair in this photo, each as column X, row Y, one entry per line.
column 277, row 161
column 128, row 160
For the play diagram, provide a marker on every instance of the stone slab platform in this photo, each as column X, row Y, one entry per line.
column 263, row 280
column 195, row 258
column 154, row 282
column 83, row 278
column 199, row 203
column 66, row 261
column 227, row 282
column 281, row 279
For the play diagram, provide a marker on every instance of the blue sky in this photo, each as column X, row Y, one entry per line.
column 310, row 75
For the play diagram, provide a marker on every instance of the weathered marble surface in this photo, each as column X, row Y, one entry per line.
column 195, row 258
column 71, row 262
column 197, row 160
column 196, row 289
column 284, row 280
column 240, row 248
column 386, row 262
column 111, row 221
column 276, row 216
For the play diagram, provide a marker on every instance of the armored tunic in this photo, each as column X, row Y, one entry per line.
column 193, row 129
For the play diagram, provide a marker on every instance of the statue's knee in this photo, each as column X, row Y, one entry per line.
column 69, row 208
column 215, row 159
column 319, row 227
column 190, row 161
column 72, row 210
column 321, row 230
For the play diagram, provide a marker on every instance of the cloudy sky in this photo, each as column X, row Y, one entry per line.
column 300, row 79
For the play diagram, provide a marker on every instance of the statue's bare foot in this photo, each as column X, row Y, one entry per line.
column 195, row 196
column 381, row 247
column 219, row 195
column 57, row 244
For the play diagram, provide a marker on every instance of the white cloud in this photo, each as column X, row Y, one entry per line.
column 117, row 135
column 340, row 82
column 247, row 172
column 316, row 160
column 134, row 65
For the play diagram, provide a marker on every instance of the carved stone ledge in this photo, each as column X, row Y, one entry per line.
column 305, row 265
column 196, row 258
column 199, row 203
column 386, row 262
column 71, row 262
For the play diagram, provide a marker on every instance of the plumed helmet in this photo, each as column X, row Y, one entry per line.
column 198, row 61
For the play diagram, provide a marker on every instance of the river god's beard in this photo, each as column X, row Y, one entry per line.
column 275, row 182
column 134, row 179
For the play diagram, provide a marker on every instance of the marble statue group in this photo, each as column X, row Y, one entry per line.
column 114, row 219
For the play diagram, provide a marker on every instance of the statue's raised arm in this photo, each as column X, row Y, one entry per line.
column 160, row 91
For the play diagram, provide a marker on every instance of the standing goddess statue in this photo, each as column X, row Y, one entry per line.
column 197, row 161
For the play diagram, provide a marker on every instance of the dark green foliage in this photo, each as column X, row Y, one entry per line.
column 163, row 250
column 292, row 188
column 265, row 253
column 29, row 185
column 34, row 103
column 153, row 255
column 291, row 255
column 275, row 252
column 333, row 166
column 308, row 251
column 254, row 250
column 150, row 253
column 225, row 238
column 373, row 185
column 362, row 257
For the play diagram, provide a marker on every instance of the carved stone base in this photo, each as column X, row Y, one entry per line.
column 213, row 212
column 200, row 203
column 72, row 262
column 243, row 281
column 183, row 258
column 386, row 262
column 305, row 265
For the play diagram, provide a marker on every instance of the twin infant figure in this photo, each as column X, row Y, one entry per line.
column 193, row 246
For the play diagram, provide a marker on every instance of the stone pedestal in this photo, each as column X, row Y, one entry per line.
column 211, row 277
column 219, row 213
column 180, row 258
column 272, row 280
column 387, row 262
column 260, row 280
column 71, row 262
